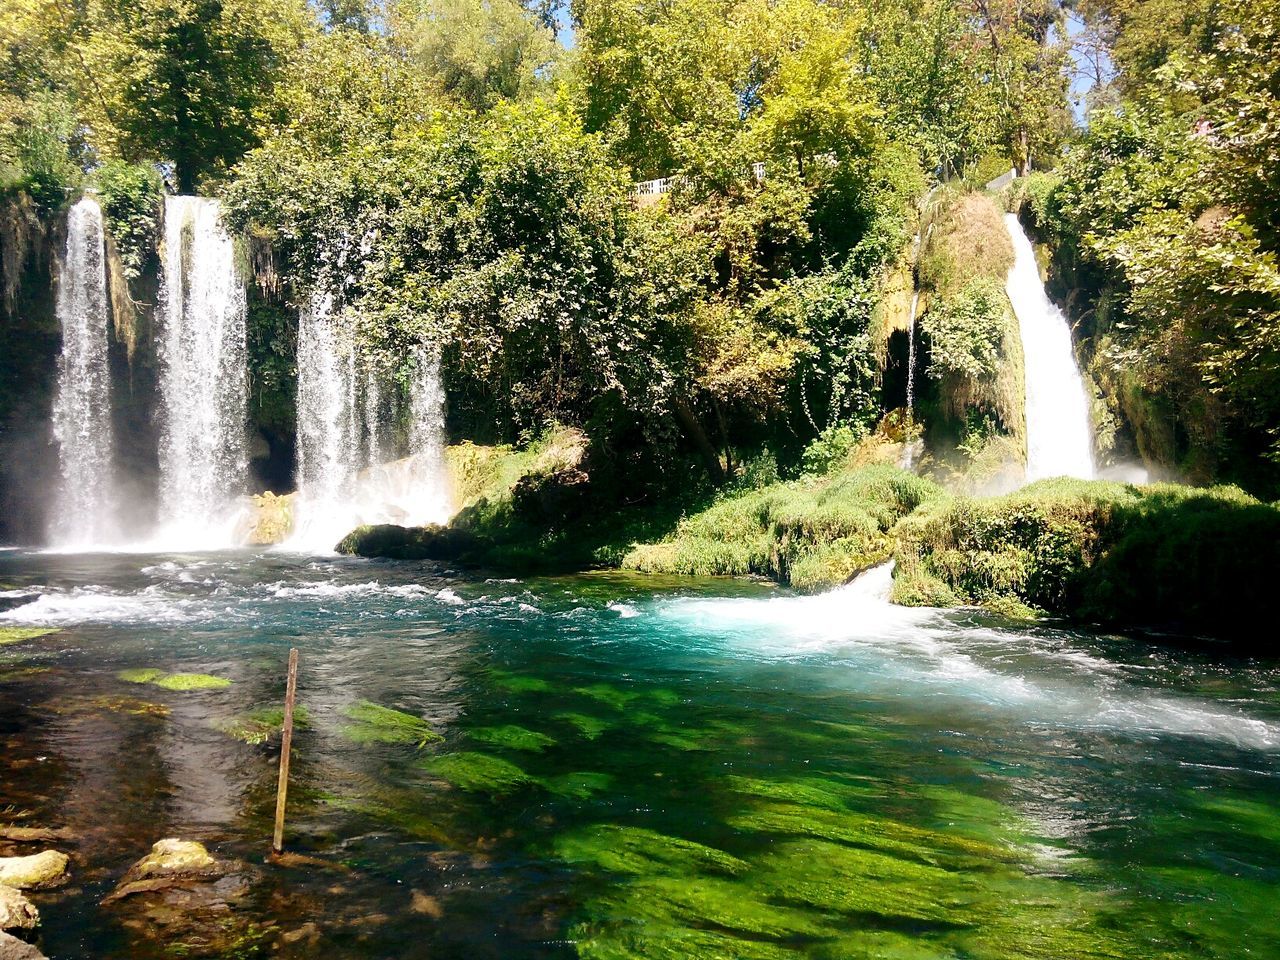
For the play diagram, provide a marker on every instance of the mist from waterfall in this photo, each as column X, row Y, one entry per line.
column 203, row 378
column 1059, row 430
column 345, row 403
column 85, row 503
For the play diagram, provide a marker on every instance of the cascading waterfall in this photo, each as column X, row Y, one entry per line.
column 342, row 481
column 911, row 357
column 1059, row 432
column 203, row 378
column 85, row 504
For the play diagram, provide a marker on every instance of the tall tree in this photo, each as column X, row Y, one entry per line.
column 186, row 81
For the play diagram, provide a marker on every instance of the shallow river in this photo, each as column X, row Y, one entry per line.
column 632, row 767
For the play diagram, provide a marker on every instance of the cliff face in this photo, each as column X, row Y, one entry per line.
column 29, row 345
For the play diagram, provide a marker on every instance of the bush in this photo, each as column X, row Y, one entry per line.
column 810, row 534
column 131, row 195
column 1198, row 561
column 965, row 330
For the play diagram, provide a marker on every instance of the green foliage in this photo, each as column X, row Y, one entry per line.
column 174, row 681
column 830, row 450
column 811, row 534
column 186, row 83
column 190, row 681
column 1162, row 556
column 966, row 331
column 512, row 737
column 131, row 200
column 479, row 773
column 40, row 147
column 259, row 726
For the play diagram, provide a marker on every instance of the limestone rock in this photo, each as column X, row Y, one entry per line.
column 36, row 872
column 16, row 911
column 173, row 856
column 180, row 893
column 34, row 834
column 11, row 948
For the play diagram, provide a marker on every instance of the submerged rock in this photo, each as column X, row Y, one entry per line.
column 11, row 948
column 179, row 894
column 36, row 872
column 431, row 542
column 16, row 911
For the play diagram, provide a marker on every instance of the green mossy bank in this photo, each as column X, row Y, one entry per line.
column 1187, row 560
column 1197, row 561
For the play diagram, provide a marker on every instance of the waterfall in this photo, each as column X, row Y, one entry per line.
column 1059, row 432
column 203, row 379
column 911, row 357
column 85, row 501
column 342, row 481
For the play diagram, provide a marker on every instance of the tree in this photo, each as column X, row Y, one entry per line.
column 480, row 51
column 185, row 81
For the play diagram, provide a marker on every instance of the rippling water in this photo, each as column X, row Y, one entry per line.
column 638, row 767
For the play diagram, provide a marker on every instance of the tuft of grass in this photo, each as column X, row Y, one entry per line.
column 512, row 737
column 812, row 533
column 1189, row 559
column 140, row 675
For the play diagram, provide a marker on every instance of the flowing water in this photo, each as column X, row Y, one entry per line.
column 637, row 767
column 85, row 506
column 342, row 479
column 1059, row 431
column 203, row 378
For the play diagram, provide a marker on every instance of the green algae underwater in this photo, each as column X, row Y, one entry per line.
column 618, row 766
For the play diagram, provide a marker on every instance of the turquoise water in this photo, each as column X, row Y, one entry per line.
column 617, row 766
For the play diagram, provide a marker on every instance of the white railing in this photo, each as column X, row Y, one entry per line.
column 656, row 188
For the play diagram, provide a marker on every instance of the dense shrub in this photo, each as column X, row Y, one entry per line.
column 811, row 534
column 965, row 331
column 131, row 195
column 1193, row 560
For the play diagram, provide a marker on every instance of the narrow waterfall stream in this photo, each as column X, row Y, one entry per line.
column 85, row 507
column 203, row 378
column 1059, row 431
column 342, row 479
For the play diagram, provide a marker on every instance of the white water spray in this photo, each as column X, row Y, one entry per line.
column 1059, row 432
column 341, row 482
column 203, row 378
column 85, row 505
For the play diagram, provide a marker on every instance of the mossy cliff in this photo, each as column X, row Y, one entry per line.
column 1190, row 560
column 971, row 394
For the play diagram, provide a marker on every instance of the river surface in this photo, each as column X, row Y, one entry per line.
column 635, row 767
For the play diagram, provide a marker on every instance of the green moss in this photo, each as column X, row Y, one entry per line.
column 634, row 850
column 591, row 727
column 10, row 635
column 1182, row 558
column 261, row 725
column 191, row 681
column 608, row 694
column 811, row 534
column 479, row 772
column 378, row 724
column 512, row 737
column 578, row 786
column 140, row 675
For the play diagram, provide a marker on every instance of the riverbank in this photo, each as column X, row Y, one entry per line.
column 1166, row 557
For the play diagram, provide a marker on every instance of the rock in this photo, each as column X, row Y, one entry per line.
column 34, row 834
column 307, row 934
column 179, row 893
column 16, row 911
column 11, row 948
column 425, row 904
column 36, row 872
column 431, row 542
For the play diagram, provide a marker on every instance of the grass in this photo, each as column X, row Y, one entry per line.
column 10, row 635
column 372, row 723
column 174, row 681
column 1192, row 560
column 811, row 534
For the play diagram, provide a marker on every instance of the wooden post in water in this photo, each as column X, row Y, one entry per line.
column 286, row 741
